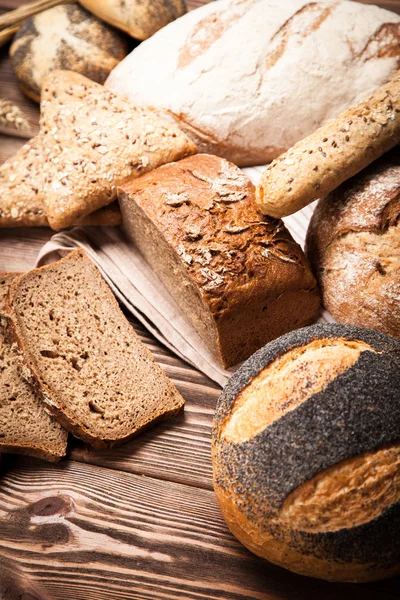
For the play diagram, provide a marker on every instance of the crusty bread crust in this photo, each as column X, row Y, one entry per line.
column 141, row 19
column 93, row 141
column 335, row 152
column 316, row 490
column 248, row 79
column 64, row 37
column 353, row 244
column 21, row 192
column 263, row 543
column 55, row 405
column 239, row 277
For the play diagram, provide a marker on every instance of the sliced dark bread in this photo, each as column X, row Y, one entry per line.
column 5, row 282
column 25, row 426
column 95, row 375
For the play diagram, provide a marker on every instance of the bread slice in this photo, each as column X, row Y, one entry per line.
column 25, row 426
column 93, row 140
column 21, row 192
column 95, row 375
column 5, row 281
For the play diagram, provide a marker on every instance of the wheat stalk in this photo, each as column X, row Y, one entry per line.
column 12, row 118
column 7, row 34
column 15, row 17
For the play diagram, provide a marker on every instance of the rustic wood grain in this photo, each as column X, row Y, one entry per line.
column 140, row 521
column 80, row 532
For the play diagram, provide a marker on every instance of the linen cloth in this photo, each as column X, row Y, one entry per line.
column 142, row 293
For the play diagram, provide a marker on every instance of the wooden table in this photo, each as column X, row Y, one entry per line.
column 141, row 521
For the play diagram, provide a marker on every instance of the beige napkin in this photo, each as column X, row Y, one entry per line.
column 137, row 288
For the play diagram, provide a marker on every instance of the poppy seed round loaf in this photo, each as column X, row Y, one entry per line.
column 306, row 453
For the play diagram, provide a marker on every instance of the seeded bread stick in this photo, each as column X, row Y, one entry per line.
column 332, row 154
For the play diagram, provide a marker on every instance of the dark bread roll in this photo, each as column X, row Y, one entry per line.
column 353, row 244
column 64, row 37
column 306, row 453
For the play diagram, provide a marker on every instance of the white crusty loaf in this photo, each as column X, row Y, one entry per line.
column 247, row 79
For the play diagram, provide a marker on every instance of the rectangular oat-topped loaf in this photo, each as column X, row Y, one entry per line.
column 237, row 275
column 96, row 376
column 25, row 426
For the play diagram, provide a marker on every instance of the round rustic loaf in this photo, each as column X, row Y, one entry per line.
column 306, row 453
column 64, row 37
column 353, row 243
column 139, row 18
column 247, row 79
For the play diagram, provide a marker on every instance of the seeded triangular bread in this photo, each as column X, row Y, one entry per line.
column 95, row 375
column 21, row 192
column 93, row 140
column 25, row 426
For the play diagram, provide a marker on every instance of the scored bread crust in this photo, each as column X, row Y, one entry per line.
column 140, row 18
column 355, row 414
column 238, row 276
column 234, row 73
column 54, row 404
column 353, row 244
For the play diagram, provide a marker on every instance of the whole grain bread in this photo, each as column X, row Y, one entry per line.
column 25, row 426
column 95, row 375
column 6, row 279
column 238, row 276
column 353, row 244
column 21, row 192
column 335, row 152
column 92, row 141
column 64, row 37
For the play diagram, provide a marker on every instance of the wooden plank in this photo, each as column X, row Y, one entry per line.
column 20, row 247
column 76, row 531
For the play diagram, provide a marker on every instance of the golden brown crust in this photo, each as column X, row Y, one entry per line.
column 6, row 278
column 21, row 192
column 315, row 487
column 64, row 37
column 353, row 244
column 27, row 450
column 264, row 544
column 334, row 153
column 352, row 492
column 94, row 140
column 141, row 19
column 279, row 387
column 251, row 277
